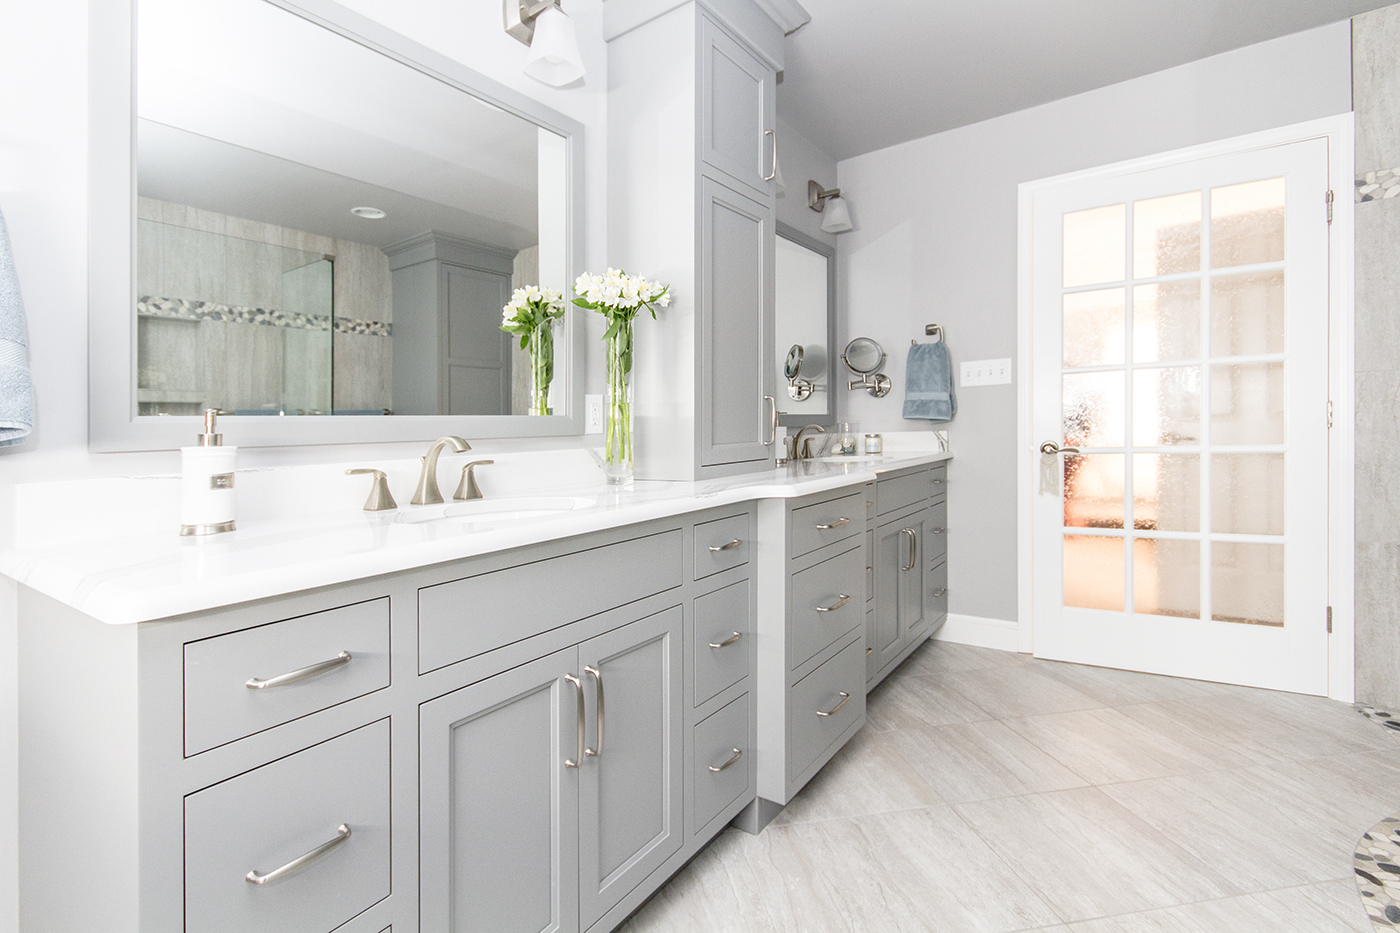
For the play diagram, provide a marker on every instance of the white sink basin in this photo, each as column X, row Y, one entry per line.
column 493, row 510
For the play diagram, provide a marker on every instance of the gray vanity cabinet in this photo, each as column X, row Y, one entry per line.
column 899, row 585
column 499, row 829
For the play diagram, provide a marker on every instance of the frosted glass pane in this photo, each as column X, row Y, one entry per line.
column 1167, row 577
column 1167, row 492
column 1167, row 406
column 1246, row 494
column 1094, row 486
column 1167, row 235
column 1095, row 407
column 1246, row 314
column 1167, row 321
column 1246, row 583
column 1094, row 572
column 1096, row 245
column 1095, row 327
column 1246, row 223
column 1246, row 403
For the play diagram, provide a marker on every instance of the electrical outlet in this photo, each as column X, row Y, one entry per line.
column 986, row 373
column 592, row 414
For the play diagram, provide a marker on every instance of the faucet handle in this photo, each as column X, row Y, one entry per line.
column 467, row 488
column 380, row 498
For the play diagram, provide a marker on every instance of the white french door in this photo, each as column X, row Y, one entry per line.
column 1180, row 408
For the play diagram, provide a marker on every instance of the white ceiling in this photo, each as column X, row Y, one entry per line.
column 863, row 75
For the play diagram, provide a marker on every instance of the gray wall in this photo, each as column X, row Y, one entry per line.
column 1376, row 38
column 935, row 241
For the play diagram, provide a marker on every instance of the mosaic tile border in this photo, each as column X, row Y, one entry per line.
column 186, row 309
column 1377, row 866
column 1389, row 720
column 1377, row 186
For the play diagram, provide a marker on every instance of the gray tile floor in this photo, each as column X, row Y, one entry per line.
column 990, row 792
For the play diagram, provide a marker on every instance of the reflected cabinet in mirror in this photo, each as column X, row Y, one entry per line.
column 326, row 224
column 805, row 326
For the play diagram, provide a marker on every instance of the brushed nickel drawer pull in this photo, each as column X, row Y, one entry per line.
column 836, row 605
column 291, row 677
column 845, row 698
column 578, row 724
column 938, row 531
column 869, row 650
column 737, row 755
column 342, row 833
column 726, row 547
column 598, row 678
column 941, row 591
column 728, row 641
column 913, row 549
column 939, row 482
column 836, row 524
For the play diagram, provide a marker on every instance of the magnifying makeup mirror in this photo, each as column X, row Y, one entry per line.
column 864, row 357
column 799, row 389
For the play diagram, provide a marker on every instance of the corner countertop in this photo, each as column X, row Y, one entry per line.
column 141, row 578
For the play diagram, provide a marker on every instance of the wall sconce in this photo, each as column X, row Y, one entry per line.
column 554, row 58
column 838, row 219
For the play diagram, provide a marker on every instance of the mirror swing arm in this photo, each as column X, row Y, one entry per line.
column 113, row 420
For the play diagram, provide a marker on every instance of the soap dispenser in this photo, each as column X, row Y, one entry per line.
column 206, row 484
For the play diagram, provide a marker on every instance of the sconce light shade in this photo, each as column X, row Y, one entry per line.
column 837, row 219
column 554, row 58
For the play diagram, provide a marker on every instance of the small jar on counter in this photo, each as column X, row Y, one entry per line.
column 874, row 444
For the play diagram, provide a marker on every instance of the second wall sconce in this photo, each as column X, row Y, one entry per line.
column 554, row 57
column 838, row 218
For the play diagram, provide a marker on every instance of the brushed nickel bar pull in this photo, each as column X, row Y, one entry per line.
column 836, row 524
column 938, row 482
column 726, row 547
column 913, row 548
column 291, row 677
column 728, row 641
column 772, row 421
column 342, row 833
column 579, row 725
column 598, row 678
column 845, row 698
column 938, row 531
column 773, row 169
column 941, row 591
column 737, row 755
column 836, row 605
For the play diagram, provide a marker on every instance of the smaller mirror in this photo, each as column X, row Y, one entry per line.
column 805, row 323
column 865, row 357
column 792, row 368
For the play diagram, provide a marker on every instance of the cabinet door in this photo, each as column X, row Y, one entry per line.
column 899, row 591
column 913, row 620
column 498, row 812
column 475, row 352
column 738, row 110
column 736, row 305
column 630, row 785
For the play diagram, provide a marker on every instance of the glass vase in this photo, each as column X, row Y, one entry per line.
column 541, row 369
column 617, row 431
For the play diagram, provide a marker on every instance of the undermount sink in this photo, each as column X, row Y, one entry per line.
column 494, row 510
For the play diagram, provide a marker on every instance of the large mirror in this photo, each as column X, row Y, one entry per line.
column 804, row 328
column 328, row 220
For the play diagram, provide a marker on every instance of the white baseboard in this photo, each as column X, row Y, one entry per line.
column 978, row 632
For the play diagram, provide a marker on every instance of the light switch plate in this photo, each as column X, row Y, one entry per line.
column 985, row 373
column 592, row 414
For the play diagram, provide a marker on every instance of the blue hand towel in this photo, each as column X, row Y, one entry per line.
column 16, row 387
column 928, row 383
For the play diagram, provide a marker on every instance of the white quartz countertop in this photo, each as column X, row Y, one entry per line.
column 140, row 578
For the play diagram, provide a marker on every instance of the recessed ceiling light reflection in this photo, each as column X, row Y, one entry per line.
column 369, row 213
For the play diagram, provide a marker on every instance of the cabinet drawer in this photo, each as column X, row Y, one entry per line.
column 900, row 492
column 938, row 481
column 722, row 767
column 815, row 526
column 266, row 818
column 220, row 704
column 465, row 618
column 936, row 602
column 825, row 605
column 810, row 734
column 936, row 532
column 721, row 544
column 722, row 639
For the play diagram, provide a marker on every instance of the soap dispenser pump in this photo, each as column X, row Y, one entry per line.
column 206, row 484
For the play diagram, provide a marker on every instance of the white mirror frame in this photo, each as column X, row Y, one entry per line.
column 113, row 424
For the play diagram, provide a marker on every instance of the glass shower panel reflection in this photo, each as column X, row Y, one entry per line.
column 1095, row 327
column 1094, row 485
column 1094, row 572
column 1167, row 321
column 1167, row 235
column 1095, row 246
column 1246, row 583
column 1167, row 577
column 1246, row 223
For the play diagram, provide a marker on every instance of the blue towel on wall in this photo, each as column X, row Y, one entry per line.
column 928, row 383
column 16, row 386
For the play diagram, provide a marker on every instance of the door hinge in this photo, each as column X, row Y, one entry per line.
column 1329, row 620
column 1330, row 197
column 1329, row 413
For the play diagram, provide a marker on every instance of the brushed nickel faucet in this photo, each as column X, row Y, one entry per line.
column 427, row 492
column 802, row 450
column 468, row 489
column 380, row 498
